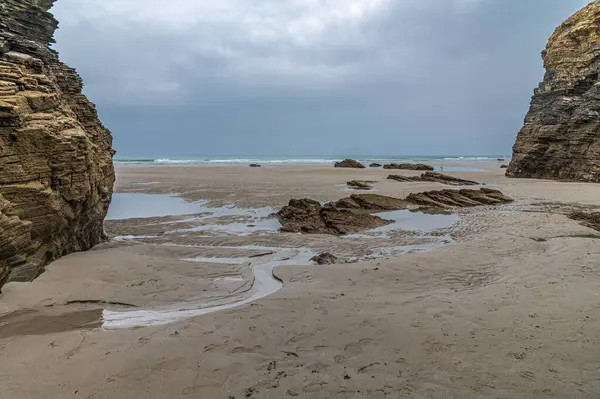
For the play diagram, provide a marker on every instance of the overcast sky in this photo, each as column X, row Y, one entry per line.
column 309, row 77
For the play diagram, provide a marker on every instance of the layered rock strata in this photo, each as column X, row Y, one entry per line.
column 459, row 198
column 309, row 216
column 408, row 166
column 56, row 172
column 435, row 178
column 561, row 135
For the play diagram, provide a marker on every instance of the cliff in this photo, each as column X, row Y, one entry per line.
column 56, row 172
column 561, row 135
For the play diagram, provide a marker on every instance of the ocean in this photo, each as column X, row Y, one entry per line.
column 295, row 160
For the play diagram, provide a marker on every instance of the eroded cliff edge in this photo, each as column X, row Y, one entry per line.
column 56, row 171
column 561, row 135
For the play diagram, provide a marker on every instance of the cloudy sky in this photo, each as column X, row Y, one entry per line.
column 309, row 77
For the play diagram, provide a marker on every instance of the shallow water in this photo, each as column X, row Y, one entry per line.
column 264, row 284
column 409, row 221
column 137, row 205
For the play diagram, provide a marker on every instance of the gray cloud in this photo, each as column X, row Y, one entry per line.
column 292, row 77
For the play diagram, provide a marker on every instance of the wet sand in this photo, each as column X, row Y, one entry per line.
column 498, row 302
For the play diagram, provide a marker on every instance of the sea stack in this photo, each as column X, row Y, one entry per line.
column 561, row 135
column 56, row 171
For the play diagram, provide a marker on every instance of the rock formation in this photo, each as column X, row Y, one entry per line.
column 591, row 220
column 349, row 163
column 459, row 198
column 309, row 216
column 408, row 166
column 561, row 135
column 375, row 165
column 56, row 172
column 325, row 259
column 371, row 202
column 435, row 178
column 359, row 185
column 354, row 214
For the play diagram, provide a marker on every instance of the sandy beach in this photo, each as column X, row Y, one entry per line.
column 488, row 302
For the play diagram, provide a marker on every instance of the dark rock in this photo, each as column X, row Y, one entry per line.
column 375, row 165
column 500, row 159
column 325, row 259
column 371, row 202
column 349, row 163
column 56, row 171
column 434, row 177
column 359, row 185
column 408, row 166
column 591, row 220
column 308, row 216
column 255, row 165
column 459, row 198
column 560, row 138
column 503, row 166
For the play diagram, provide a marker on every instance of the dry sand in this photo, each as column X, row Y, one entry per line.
column 510, row 309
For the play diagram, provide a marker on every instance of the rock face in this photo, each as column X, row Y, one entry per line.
column 561, row 135
column 349, row 163
column 408, row 166
column 56, row 172
column 459, row 198
column 309, row 216
column 436, row 178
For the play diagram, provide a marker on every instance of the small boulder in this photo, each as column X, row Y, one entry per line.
column 349, row 163
column 375, row 165
column 255, row 165
column 325, row 259
column 503, row 166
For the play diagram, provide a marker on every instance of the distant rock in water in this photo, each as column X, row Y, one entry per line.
column 325, row 259
column 375, row 165
column 309, row 216
column 561, row 135
column 255, row 165
column 459, row 198
column 56, row 171
column 436, row 178
column 408, row 166
column 359, row 185
column 349, row 163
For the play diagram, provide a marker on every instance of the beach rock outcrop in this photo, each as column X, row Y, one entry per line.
column 56, row 171
column 309, row 216
column 560, row 138
column 591, row 220
column 325, row 259
column 359, row 185
column 375, row 165
column 370, row 202
column 436, row 178
column 349, row 163
column 255, row 165
column 408, row 166
column 503, row 166
column 459, row 198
